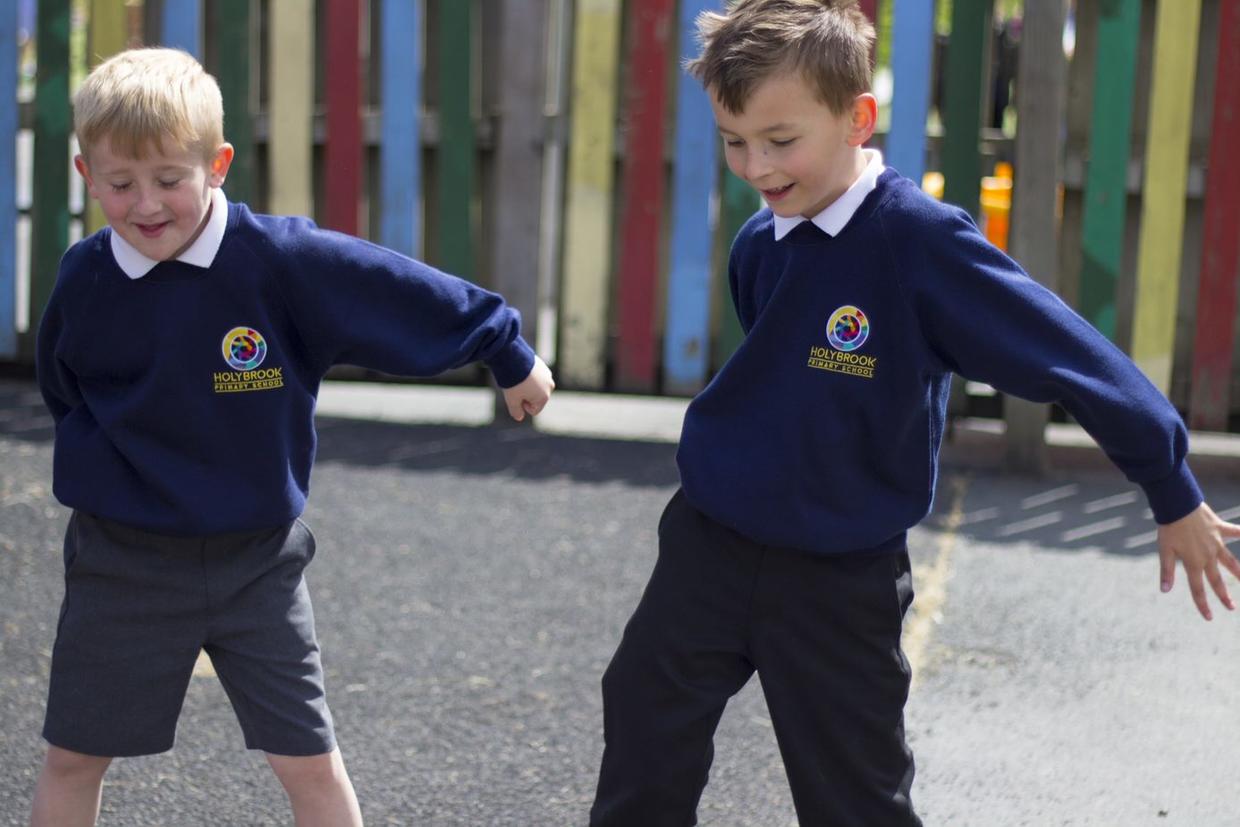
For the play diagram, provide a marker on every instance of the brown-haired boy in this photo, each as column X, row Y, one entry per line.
column 809, row 456
column 180, row 355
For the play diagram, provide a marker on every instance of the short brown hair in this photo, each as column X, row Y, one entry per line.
column 827, row 41
column 143, row 99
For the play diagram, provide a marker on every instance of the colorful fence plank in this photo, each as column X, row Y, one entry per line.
column 400, row 151
column 1220, row 258
column 454, row 153
column 181, row 25
column 1166, row 183
column 8, row 182
column 739, row 202
column 107, row 34
column 870, row 9
column 1041, row 77
column 911, row 58
column 234, row 29
column 343, row 153
column 587, row 252
column 551, row 230
column 642, row 216
column 1106, row 184
column 290, row 110
column 518, row 157
column 686, row 339
column 52, row 125
column 966, row 70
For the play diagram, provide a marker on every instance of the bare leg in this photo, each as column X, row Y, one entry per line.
column 319, row 789
column 68, row 791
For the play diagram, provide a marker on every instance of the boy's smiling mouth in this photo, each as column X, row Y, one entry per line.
column 776, row 193
column 151, row 230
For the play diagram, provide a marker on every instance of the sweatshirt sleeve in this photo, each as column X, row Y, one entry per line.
column 362, row 304
column 57, row 383
column 987, row 320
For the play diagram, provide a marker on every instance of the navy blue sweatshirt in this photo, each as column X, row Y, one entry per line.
column 184, row 400
column 822, row 432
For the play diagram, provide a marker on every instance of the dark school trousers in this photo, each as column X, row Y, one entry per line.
column 823, row 634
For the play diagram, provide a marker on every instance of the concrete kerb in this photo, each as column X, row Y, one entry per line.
column 974, row 442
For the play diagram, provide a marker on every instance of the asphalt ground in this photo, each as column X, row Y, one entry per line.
column 472, row 582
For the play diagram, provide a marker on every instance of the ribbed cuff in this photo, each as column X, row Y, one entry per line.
column 512, row 364
column 1174, row 496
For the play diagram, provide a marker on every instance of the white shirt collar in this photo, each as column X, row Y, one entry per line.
column 200, row 254
column 838, row 213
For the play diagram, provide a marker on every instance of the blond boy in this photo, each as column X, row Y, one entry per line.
column 811, row 454
column 180, row 355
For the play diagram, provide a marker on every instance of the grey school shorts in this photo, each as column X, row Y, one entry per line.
column 139, row 606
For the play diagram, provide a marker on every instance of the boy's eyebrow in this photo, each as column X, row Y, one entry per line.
column 779, row 127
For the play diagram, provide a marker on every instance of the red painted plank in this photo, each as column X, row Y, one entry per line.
column 870, row 8
column 343, row 82
column 1220, row 260
column 642, row 215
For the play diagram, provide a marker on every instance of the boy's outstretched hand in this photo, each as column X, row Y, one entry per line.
column 1197, row 540
column 531, row 395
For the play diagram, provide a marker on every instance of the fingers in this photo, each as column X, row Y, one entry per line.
column 1230, row 563
column 1220, row 588
column 1196, row 585
column 516, row 408
column 1166, row 570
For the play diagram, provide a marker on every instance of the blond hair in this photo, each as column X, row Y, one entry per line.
column 827, row 41
column 145, row 99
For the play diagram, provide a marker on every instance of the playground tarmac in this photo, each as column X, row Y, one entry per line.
column 472, row 582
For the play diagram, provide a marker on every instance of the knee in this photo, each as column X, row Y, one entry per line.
column 308, row 772
column 67, row 764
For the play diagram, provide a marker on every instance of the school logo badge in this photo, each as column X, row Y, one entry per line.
column 847, row 330
column 244, row 349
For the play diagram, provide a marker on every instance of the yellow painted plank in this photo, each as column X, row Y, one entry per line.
column 290, row 108
column 107, row 33
column 1166, row 183
column 588, row 231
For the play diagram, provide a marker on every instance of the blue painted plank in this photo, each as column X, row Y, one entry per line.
column 686, row 343
column 181, row 24
column 8, row 182
column 912, row 40
column 400, row 154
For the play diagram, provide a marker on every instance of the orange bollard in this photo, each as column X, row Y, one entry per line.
column 997, row 205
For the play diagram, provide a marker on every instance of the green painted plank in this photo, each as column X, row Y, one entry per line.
column 1110, row 145
column 739, row 202
column 1166, row 183
column 962, row 118
column 591, row 174
column 52, row 125
column 455, row 152
column 8, row 182
column 235, row 43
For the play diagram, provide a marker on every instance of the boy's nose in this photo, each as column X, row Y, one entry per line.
column 756, row 165
column 148, row 203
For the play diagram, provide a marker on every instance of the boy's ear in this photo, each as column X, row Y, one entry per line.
column 79, row 163
column 864, row 119
column 219, row 164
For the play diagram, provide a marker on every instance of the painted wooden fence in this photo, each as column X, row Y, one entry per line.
column 610, row 221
